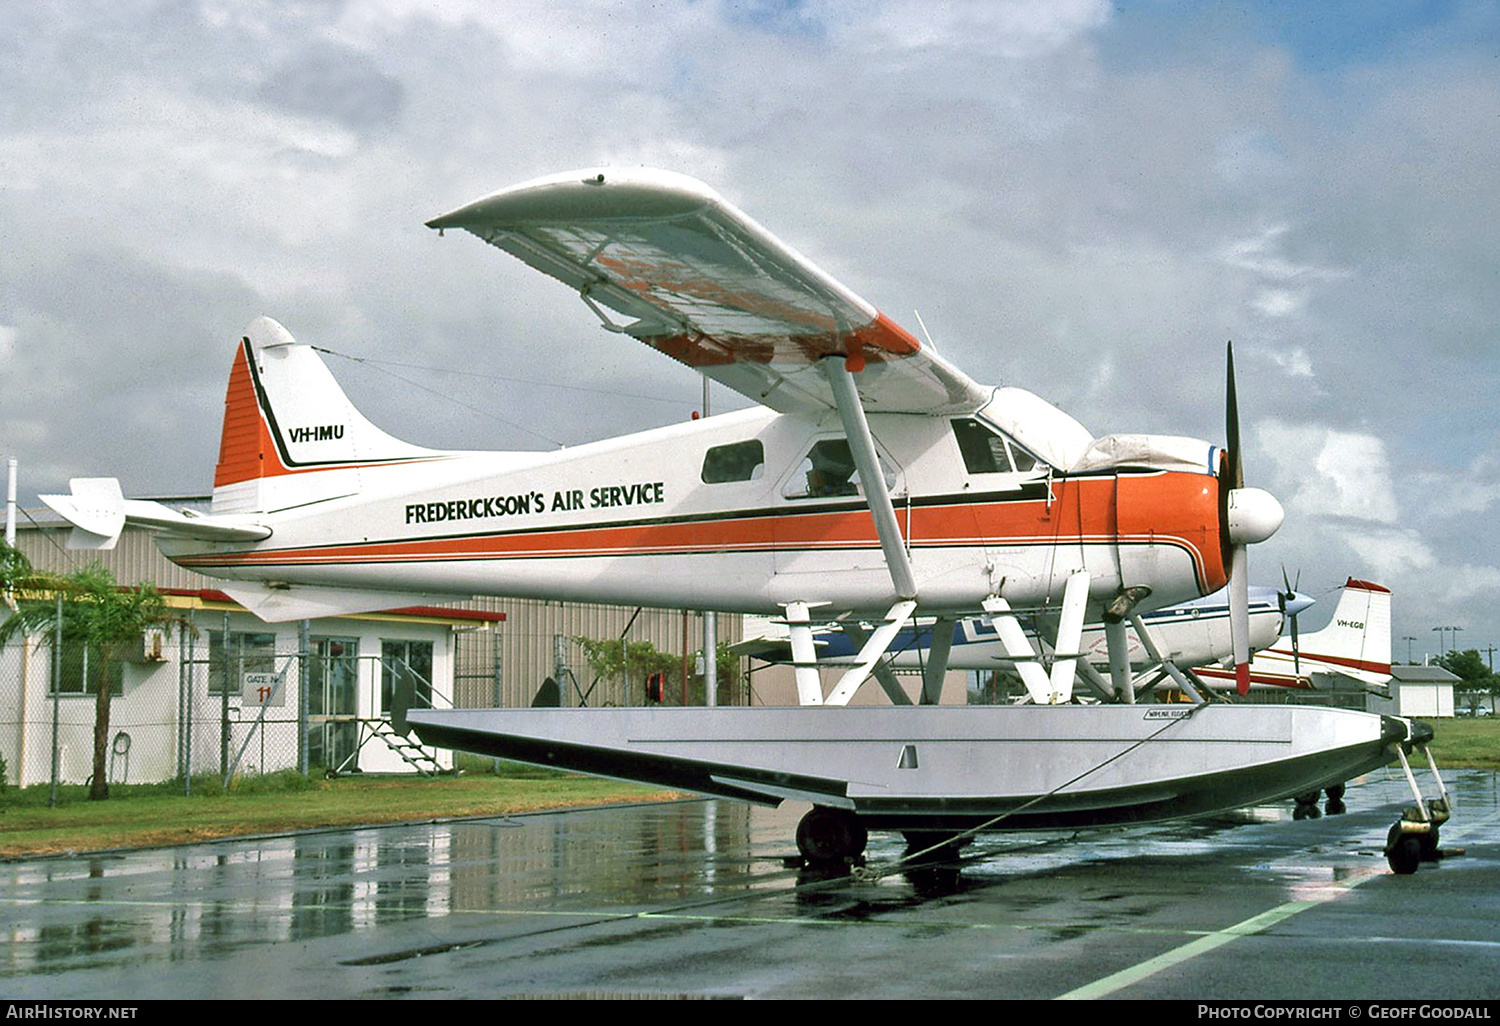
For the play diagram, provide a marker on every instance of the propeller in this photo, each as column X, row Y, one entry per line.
column 1250, row 515
column 1283, row 598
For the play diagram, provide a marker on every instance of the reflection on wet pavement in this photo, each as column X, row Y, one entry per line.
column 663, row 868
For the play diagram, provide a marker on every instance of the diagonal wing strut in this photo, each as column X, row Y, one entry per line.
column 862, row 448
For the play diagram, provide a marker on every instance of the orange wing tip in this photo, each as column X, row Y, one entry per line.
column 885, row 334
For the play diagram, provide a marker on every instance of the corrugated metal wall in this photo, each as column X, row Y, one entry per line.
column 526, row 650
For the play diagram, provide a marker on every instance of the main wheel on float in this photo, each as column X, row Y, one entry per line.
column 831, row 835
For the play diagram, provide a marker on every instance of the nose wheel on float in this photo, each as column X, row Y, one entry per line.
column 1413, row 839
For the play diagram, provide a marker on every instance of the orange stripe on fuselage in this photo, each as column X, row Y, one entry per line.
column 1082, row 511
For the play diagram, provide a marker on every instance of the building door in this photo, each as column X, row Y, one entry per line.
column 405, row 664
column 333, row 701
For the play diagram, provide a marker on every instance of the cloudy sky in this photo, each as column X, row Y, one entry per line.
column 1083, row 198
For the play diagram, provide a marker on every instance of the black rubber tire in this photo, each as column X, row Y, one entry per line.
column 1405, row 855
column 831, row 835
column 1334, row 792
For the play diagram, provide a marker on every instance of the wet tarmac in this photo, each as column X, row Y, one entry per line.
column 695, row 899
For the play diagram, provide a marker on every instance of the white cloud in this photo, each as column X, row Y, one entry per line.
column 1389, row 554
column 1471, row 489
column 1326, row 472
column 1006, row 29
column 1296, row 363
column 1280, row 302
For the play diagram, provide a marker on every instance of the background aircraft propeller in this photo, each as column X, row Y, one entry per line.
column 1287, row 598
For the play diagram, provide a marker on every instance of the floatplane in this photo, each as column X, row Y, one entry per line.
column 872, row 482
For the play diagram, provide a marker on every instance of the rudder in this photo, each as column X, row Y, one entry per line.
column 290, row 435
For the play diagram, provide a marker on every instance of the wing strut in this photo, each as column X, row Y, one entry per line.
column 862, row 448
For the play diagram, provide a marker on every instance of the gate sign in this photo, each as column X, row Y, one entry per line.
column 262, row 689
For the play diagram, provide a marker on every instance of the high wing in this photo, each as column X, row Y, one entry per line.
column 702, row 282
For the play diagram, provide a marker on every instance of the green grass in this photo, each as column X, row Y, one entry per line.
column 146, row 815
column 1467, row 743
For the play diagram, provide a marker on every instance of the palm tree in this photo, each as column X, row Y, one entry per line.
column 98, row 615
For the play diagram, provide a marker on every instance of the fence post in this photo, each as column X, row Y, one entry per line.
column 304, row 675
column 181, row 696
column 187, row 720
column 224, row 699
column 56, row 691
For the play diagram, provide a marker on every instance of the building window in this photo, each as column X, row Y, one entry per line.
column 78, row 673
column 400, row 660
column 742, row 461
column 249, row 652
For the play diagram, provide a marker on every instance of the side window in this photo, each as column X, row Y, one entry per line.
column 741, row 461
column 1020, row 457
column 828, row 469
column 988, row 452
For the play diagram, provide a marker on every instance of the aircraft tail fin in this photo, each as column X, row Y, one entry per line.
column 291, row 436
column 1359, row 635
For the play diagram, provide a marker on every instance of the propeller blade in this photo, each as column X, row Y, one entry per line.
column 1281, row 600
column 1239, row 585
column 1234, row 471
column 1296, row 649
column 1239, row 618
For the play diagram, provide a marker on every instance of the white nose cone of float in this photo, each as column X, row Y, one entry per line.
column 1254, row 515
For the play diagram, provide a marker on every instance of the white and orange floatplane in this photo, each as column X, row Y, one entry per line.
column 872, row 483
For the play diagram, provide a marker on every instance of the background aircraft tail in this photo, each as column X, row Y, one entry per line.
column 1359, row 635
column 291, row 436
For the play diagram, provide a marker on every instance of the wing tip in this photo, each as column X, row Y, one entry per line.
column 604, row 192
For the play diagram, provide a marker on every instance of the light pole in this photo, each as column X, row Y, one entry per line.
column 1441, row 650
column 1408, row 638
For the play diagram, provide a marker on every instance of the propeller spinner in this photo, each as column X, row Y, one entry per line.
column 1251, row 515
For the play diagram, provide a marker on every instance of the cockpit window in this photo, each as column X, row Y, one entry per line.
column 741, row 461
column 986, row 451
column 828, row 469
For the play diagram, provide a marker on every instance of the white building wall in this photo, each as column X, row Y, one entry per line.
column 1414, row 700
column 166, row 711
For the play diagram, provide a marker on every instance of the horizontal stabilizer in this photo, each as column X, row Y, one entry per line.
column 96, row 509
column 99, row 511
column 297, row 602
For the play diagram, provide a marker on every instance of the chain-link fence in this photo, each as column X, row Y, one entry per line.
column 216, row 702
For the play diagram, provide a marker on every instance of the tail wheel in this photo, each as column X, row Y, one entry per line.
column 1405, row 851
column 831, row 835
column 1405, row 855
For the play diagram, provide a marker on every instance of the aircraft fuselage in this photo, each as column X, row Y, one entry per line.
column 740, row 512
